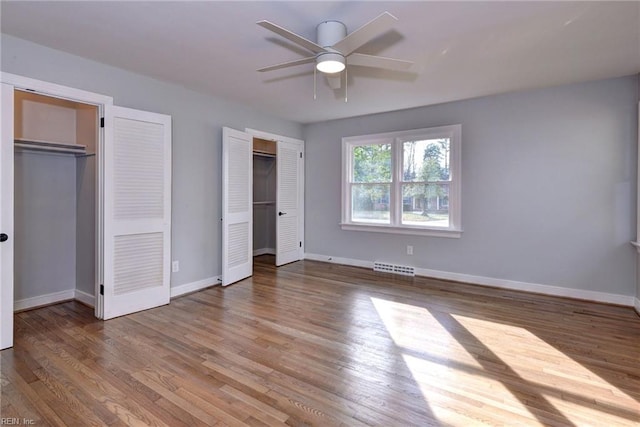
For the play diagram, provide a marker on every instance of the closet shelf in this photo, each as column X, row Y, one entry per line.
column 265, row 203
column 52, row 147
column 263, row 154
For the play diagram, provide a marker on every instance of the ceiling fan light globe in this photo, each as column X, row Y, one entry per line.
column 330, row 63
column 330, row 67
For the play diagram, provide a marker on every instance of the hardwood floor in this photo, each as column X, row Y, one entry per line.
column 321, row 344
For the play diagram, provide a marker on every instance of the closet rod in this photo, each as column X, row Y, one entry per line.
column 56, row 147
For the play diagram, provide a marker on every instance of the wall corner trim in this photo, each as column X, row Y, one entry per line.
column 636, row 304
column 179, row 290
column 85, row 298
column 559, row 291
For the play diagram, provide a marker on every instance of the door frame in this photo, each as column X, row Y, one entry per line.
column 275, row 137
column 104, row 103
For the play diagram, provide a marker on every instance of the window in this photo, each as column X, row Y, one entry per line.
column 403, row 182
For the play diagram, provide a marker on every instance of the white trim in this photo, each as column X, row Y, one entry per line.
column 85, row 298
column 337, row 260
column 594, row 296
column 264, row 251
column 59, row 91
column 636, row 245
column 41, row 300
column 414, row 231
column 176, row 291
column 636, row 305
column 272, row 136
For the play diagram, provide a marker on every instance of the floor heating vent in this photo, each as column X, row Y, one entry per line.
column 403, row 270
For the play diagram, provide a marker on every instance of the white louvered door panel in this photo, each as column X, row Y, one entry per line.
column 288, row 203
column 137, row 223
column 237, row 206
column 6, row 217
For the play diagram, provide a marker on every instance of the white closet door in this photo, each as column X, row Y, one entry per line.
column 237, row 206
column 289, row 201
column 137, row 219
column 6, row 217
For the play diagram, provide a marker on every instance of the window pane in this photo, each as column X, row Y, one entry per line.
column 370, row 203
column 426, row 160
column 372, row 163
column 425, row 204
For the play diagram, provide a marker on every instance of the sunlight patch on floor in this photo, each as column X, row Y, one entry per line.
column 464, row 366
column 414, row 329
column 450, row 378
column 539, row 362
column 450, row 389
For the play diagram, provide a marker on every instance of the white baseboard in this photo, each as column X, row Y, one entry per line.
column 85, row 298
column 41, row 300
column 636, row 304
column 338, row 260
column 497, row 283
column 176, row 291
column 264, row 251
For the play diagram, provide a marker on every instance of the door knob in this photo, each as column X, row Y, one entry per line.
column 3, row 237
column 281, row 213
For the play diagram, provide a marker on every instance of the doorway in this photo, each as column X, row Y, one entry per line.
column 130, row 195
column 55, row 199
column 262, row 200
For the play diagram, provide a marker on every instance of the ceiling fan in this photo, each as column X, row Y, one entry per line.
column 335, row 49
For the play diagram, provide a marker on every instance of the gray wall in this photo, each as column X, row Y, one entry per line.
column 45, row 224
column 197, row 133
column 548, row 187
column 264, row 189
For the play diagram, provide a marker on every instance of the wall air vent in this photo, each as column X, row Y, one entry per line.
column 385, row 267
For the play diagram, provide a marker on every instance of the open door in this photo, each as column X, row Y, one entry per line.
column 6, row 217
column 289, row 199
column 237, row 206
column 137, row 212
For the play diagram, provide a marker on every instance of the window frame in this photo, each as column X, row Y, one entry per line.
column 396, row 139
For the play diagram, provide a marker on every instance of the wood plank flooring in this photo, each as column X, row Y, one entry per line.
column 321, row 344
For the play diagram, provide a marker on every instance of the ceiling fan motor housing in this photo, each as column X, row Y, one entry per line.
column 329, row 33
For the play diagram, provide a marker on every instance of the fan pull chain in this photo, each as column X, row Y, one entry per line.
column 315, row 81
column 346, row 83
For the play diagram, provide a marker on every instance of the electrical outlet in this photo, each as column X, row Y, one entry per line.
column 175, row 266
column 409, row 250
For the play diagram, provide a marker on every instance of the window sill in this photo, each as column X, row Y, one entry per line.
column 414, row 231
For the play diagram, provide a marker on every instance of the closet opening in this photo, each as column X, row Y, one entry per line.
column 264, row 199
column 56, row 200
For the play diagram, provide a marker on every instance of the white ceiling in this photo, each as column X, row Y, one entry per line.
column 461, row 49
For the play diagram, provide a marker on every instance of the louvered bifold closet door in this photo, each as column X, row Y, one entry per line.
column 237, row 205
column 288, row 201
column 137, row 223
column 6, row 216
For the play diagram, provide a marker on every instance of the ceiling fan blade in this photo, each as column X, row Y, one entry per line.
column 288, row 64
column 378, row 62
column 293, row 37
column 335, row 82
column 367, row 32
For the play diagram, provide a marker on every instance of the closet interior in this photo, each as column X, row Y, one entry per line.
column 55, row 170
column 264, row 196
